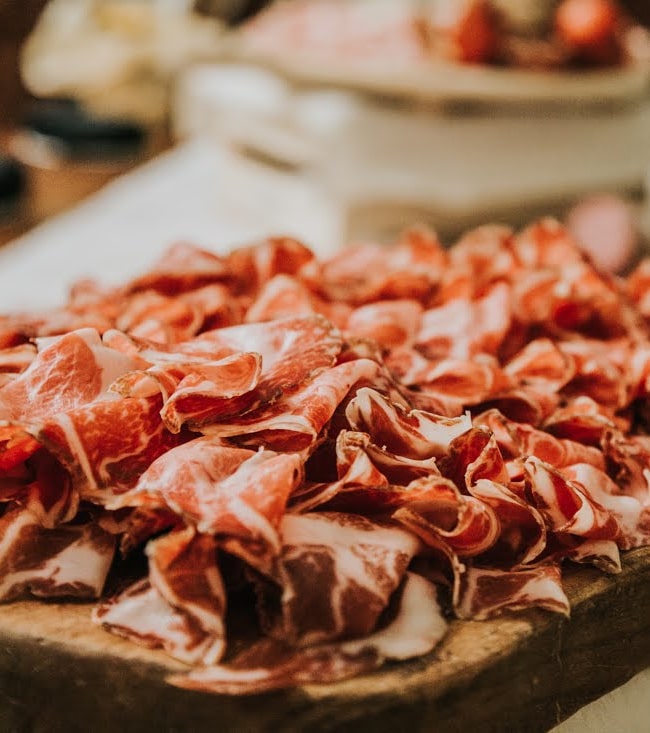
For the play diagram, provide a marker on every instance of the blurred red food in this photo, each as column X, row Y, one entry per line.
column 605, row 228
column 590, row 28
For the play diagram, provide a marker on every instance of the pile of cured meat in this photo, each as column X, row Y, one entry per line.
column 282, row 470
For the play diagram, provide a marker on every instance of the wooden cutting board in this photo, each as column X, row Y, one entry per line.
column 523, row 673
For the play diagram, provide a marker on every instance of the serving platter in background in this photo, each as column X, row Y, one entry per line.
column 442, row 82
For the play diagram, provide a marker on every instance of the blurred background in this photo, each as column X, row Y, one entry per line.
column 448, row 112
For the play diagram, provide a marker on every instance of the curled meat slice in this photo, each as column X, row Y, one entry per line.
column 285, row 296
column 293, row 350
column 233, row 493
column 71, row 560
column 256, row 265
column 486, row 592
column 370, row 272
column 182, row 267
column 212, row 390
column 15, row 359
column 294, row 421
column 546, row 243
column 485, row 253
column 543, row 363
column 68, row 371
column 597, row 375
column 180, row 607
column 628, row 458
column 416, row 628
column 462, row 328
column 413, row 434
column 473, row 455
column 519, row 440
column 583, row 420
column 565, row 506
column 627, row 510
column 438, row 511
column 160, row 318
column 107, row 445
column 391, row 323
column 336, row 573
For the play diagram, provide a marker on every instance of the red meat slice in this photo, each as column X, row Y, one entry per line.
column 107, row 445
column 565, row 506
column 391, row 323
column 237, row 495
column 295, row 421
column 336, row 573
column 182, row 267
column 462, row 328
column 413, row 434
column 180, row 607
column 416, row 628
column 69, row 371
column 71, row 560
column 488, row 592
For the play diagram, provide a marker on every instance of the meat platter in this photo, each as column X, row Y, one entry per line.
column 404, row 484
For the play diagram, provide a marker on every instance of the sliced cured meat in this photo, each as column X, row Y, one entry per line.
column 467, row 525
column 525, row 404
column 546, row 244
column 489, row 592
column 397, row 469
column 627, row 510
column 415, row 629
column 183, row 569
column 256, row 265
column 107, row 445
column 541, row 362
column 413, row 434
column 69, row 371
column 15, row 359
column 471, row 456
column 522, row 440
column 565, row 506
column 582, row 420
column 596, row 373
column 209, row 391
column 237, row 495
column 16, row 446
column 281, row 297
column 50, row 495
column 628, row 458
column 159, row 318
column 370, row 272
column 69, row 561
column 522, row 531
column 391, row 323
column 336, row 572
column 295, row 421
column 486, row 254
column 182, row 267
column 462, row 328
column 292, row 349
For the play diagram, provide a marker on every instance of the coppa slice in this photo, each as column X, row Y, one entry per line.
column 337, row 572
column 69, row 371
column 234, row 494
column 417, row 626
column 68, row 561
column 180, row 607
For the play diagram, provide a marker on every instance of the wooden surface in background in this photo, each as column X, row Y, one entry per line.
column 523, row 673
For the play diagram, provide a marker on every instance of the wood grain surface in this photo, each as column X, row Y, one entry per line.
column 524, row 673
